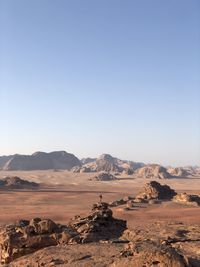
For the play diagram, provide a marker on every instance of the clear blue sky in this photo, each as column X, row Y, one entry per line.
column 107, row 76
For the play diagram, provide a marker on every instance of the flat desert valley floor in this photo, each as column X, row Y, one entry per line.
column 65, row 194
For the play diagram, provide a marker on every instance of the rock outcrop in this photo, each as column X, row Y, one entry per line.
column 104, row 176
column 26, row 237
column 186, row 199
column 178, row 172
column 98, row 225
column 155, row 190
column 122, row 201
column 152, row 171
column 14, row 182
column 147, row 253
column 159, row 244
column 42, row 161
column 81, row 169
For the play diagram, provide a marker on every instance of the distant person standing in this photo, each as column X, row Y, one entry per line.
column 100, row 199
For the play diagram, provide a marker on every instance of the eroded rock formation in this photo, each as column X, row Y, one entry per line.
column 104, row 176
column 155, row 190
column 15, row 182
column 152, row 171
column 26, row 237
column 178, row 172
column 186, row 199
column 148, row 253
column 98, row 225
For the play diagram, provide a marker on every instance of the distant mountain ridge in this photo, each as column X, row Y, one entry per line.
column 3, row 160
column 40, row 161
column 107, row 163
column 66, row 161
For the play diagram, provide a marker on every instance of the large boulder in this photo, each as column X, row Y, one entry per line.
column 155, row 190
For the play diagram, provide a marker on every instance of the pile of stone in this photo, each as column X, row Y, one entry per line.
column 98, row 225
column 26, row 237
column 155, row 191
column 104, row 176
column 186, row 199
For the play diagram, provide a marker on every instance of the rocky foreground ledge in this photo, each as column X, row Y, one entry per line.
column 26, row 237
column 159, row 245
column 98, row 239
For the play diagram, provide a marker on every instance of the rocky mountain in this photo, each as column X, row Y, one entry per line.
column 152, row 171
column 66, row 161
column 108, row 163
column 40, row 161
column 178, row 172
column 87, row 160
column 3, row 160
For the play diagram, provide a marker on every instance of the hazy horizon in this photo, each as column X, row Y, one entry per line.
column 89, row 77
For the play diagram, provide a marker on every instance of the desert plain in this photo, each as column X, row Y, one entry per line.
column 64, row 194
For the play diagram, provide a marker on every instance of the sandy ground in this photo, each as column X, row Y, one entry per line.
column 64, row 194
